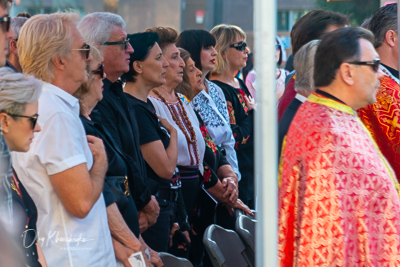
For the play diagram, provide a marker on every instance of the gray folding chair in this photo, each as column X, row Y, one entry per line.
column 239, row 212
column 170, row 260
column 225, row 248
column 245, row 227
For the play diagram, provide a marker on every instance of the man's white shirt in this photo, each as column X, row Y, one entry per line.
column 61, row 145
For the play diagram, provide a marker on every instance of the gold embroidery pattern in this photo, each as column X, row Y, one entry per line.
column 231, row 111
column 14, row 187
column 382, row 121
column 337, row 203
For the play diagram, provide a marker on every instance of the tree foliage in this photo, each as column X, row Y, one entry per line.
column 358, row 11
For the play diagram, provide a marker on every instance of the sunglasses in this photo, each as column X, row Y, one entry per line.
column 241, row 46
column 277, row 46
column 374, row 63
column 33, row 119
column 5, row 23
column 99, row 71
column 124, row 44
column 85, row 50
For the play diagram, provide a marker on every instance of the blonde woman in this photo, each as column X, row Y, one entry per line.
column 232, row 56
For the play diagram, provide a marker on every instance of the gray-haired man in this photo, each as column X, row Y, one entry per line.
column 108, row 30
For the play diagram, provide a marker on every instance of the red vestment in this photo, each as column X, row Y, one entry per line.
column 382, row 119
column 338, row 203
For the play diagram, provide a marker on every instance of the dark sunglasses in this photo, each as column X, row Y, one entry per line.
column 33, row 119
column 277, row 46
column 124, row 44
column 241, row 46
column 5, row 23
column 85, row 50
column 374, row 63
column 99, row 71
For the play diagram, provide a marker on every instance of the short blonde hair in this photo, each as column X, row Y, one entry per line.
column 225, row 35
column 42, row 38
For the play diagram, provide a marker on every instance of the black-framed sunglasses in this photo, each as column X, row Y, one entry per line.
column 373, row 63
column 85, row 50
column 277, row 46
column 99, row 71
column 241, row 46
column 124, row 44
column 33, row 119
column 5, row 23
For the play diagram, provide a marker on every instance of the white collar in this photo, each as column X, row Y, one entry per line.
column 70, row 99
column 301, row 98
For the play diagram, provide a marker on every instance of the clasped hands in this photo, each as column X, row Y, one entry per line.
column 232, row 191
column 148, row 215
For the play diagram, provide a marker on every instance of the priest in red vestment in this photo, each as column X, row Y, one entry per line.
column 338, row 201
column 382, row 117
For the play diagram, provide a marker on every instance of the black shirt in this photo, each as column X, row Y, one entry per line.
column 285, row 121
column 394, row 72
column 8, row 64
column 24, row 209
column 242, row 125
column 150, row 129
column 116, row 162
column 117, row 118
column 328, row 95
column 117, row 166
column 213, row 157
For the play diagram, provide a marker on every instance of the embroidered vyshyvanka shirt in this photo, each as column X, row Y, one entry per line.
column 382, row 119
column 241, row 120
column 212, row 109
column 186, row 151
column 338, row 203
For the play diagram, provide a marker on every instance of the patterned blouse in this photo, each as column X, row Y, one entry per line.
column 213, row 111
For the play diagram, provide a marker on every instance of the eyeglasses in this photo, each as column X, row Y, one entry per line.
column 85, row 49
column 241, row 46
column 33, row 118
column 124, row 43
column 99, row 71
column 277, row 46
column 5, row 23
column 374, row 63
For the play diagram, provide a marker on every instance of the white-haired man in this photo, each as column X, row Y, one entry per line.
column 64, row 170
column 108, row 31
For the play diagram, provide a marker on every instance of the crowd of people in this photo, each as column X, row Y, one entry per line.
column 117, row 145
column 122, row 145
